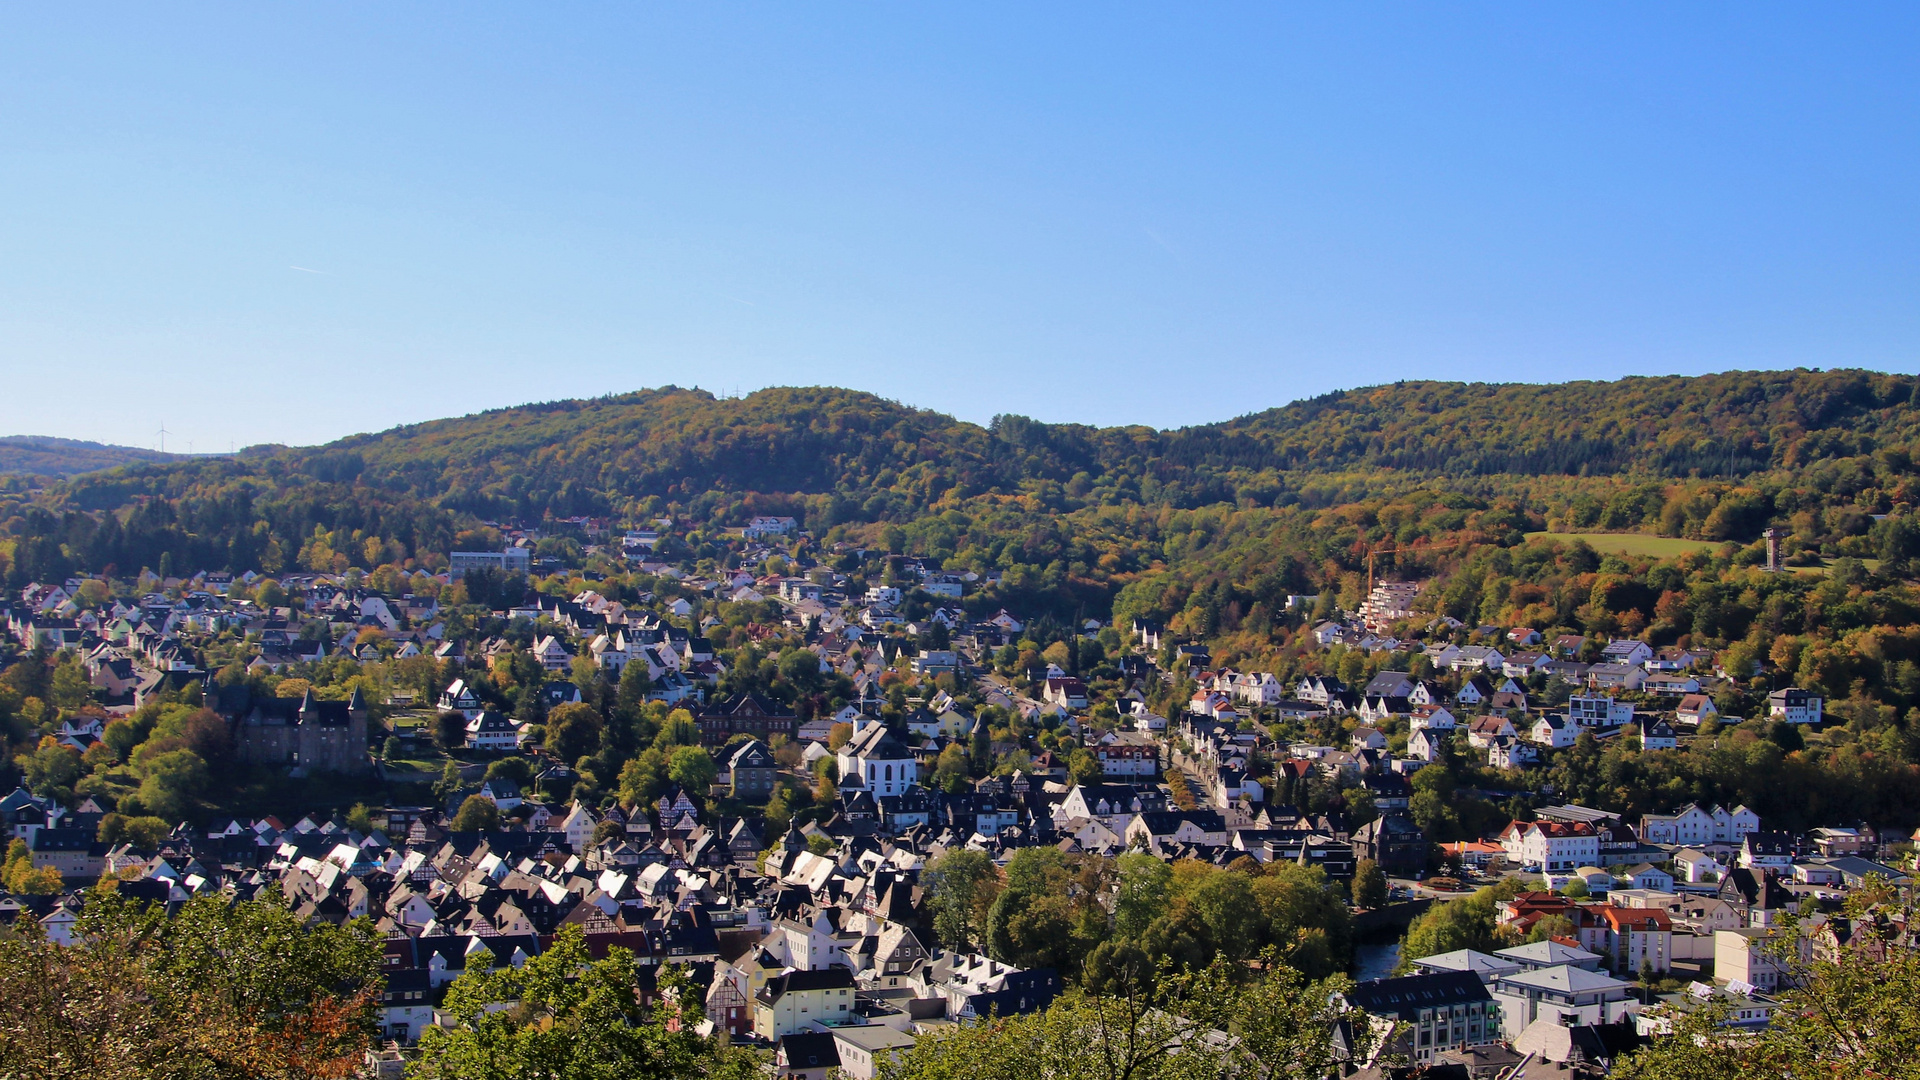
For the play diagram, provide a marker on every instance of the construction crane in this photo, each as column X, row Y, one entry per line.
column 1389, row 548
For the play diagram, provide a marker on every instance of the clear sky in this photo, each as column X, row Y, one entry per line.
column 292, row 222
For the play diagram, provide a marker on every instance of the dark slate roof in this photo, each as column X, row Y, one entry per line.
column 810, row 1050
column 1405, row 996
column 833, row 978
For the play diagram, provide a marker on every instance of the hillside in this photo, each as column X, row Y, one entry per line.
column 678, row 443
column 1730, row 424
column 1704, row 458
column 42, row 455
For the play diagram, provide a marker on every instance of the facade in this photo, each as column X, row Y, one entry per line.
column 1741, row 956
column 1562, row 994
column 74, row 852
column 1393, row 841
column 493, row 730
column 793, row 1002
column 1442, row 1010
column 1552, row 845
column 1690, row 825
column 512, row 560
column 459, row 697
column 865, row 1050
column 882, row 763
column 1129, row 759
column 1599, row 712
column 746, row 714
column 305, row 733
column 1795, row 706
column 751, row 771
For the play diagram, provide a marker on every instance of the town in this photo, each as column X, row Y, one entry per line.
column 813, row 775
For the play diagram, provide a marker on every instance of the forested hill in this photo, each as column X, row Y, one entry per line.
column 840, row 457
column 573, row 457
column 1731, row 424
column 41, row 455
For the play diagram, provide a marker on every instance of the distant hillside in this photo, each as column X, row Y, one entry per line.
column 42, row 455
column 1730, row 424
column 841, row 457
column 581, row 456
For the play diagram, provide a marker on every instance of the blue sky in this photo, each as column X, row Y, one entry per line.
column 1104, row 213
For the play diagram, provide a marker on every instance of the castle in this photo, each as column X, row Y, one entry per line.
column 305, row 733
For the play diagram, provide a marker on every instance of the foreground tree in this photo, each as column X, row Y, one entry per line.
column 1222, row 1020
column 220, row 990
column 564, row 1016
column 1849, row 1009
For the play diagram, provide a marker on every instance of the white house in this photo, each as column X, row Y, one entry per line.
column 1511, row 754
column 1626, row 651
column 1697, row 866
column 552, row 654
column 1425, row 745
column 1694, row 708
column 1731, row 826
column 1689, row 825
column 1599, row 711
column 1551, row 845
column 493, row 731
column 1369, row 738
column 769, row 526
column 1794, row 706
column 1658, row 735
column 1552, row 732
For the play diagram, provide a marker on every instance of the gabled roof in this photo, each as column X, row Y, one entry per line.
column 1547, row 954
column 1564, row 979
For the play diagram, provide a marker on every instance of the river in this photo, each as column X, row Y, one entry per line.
column 1375, row 960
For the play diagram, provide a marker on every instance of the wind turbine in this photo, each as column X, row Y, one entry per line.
column 163, row 436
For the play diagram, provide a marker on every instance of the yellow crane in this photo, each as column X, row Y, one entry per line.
column 1390, row 548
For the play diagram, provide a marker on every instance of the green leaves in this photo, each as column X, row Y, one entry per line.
column 564, row 1016
column 220, row 991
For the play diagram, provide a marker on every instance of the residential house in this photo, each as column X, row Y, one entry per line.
column 1425, row 745
column 1626, row 651
column 1659, row 735
column 1562, row 994
column 1553, row 732
column 1690, row 825
column 1629, row 677
column 1767, row 851
column 1551, row 845
column 1368, row 738
column 1599, row 712
column 1434, row 1012
column 796, row 1000
column 1743, row 955
column 552, row 653
column 1506, row 753
column 1483, row 731
column 459, row 697
column 1393, row 841
column 1795, row 706
column 1694, row 708
column 493, row 730
column 1066, row 692
column 867, row 1050
column 751, row 771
